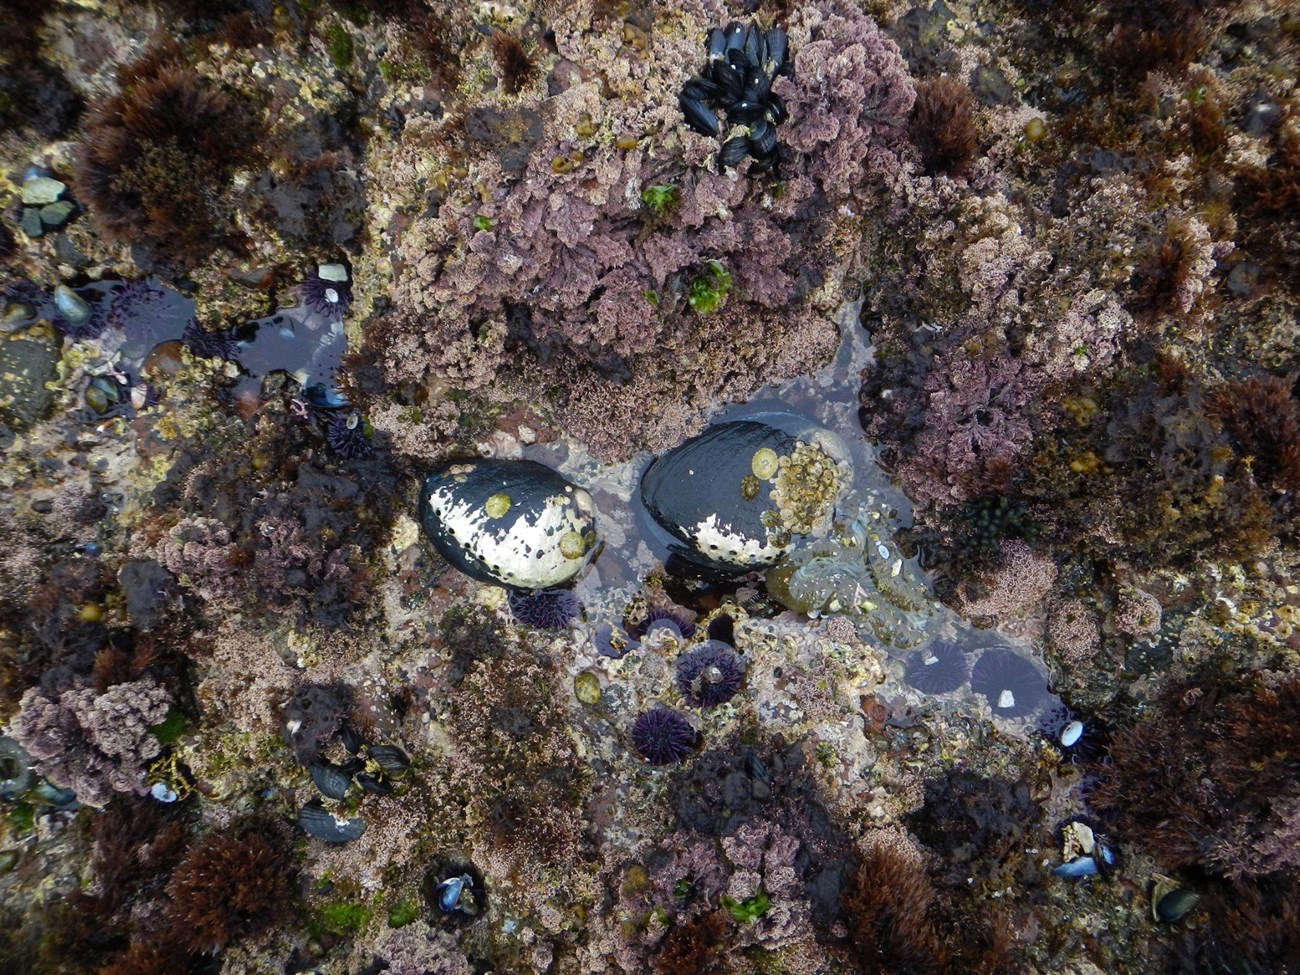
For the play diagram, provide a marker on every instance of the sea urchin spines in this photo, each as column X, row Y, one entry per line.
column 937, row 669
column 1012, row 685
column 663, row 736
column 346, row 434
column 544, row 609
column 657, row 617
column 206, row 344
column 710, row 674
column 328, row 290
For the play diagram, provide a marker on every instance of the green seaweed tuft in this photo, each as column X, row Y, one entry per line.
column 708, row 292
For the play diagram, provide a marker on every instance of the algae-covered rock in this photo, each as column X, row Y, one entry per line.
column 28, row 361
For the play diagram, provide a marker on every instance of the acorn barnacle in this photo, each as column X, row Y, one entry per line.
column 739, row 495
column 515, row 523
column 737, row 81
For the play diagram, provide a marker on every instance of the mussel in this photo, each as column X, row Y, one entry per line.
column 332, row 781
column 515, row 523
column 319, row 822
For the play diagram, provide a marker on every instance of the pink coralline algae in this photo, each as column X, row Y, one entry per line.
column 94, row 744
column 976, row 419
column 849, row 99
column 576, row 272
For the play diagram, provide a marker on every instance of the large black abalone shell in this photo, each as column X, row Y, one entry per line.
column 514, row 523
column 737, row 496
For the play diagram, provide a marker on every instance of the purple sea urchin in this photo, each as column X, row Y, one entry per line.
column 544, row 609
column 663, row 736
column 939, row 668
column 327, row 290
column 347, row 437
column 1012, row 685
column 208, row 345
column 685, row 629
column 710, row 674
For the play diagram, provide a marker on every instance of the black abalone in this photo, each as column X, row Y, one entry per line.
column 514, row 523
column 737, row 496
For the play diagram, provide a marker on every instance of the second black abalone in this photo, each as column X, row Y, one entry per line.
column 737, row 496
column 515, row 523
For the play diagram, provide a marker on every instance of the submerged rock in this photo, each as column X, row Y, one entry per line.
column 738, row 496
column 28, row 361
column 515, row 523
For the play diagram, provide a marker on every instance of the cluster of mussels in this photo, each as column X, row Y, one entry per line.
column 374, row 769
column 737, row 80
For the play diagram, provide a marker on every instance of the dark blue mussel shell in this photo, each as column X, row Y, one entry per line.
column 514, row 523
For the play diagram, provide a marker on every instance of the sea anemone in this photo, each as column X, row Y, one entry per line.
column 663, row 736
column 543, row 609
column 710, row 674
column 1012, row 685
column 939, row 668
column 347, row 437
column 327, row 290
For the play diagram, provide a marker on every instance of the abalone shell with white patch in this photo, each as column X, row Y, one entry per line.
column 715, row 495
column 514, row 523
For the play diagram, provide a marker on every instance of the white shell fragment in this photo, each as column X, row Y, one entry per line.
column 1071, row 734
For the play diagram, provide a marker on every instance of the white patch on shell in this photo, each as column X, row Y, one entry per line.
column 1006, row 699
column 712, row 539
column 518, row 551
